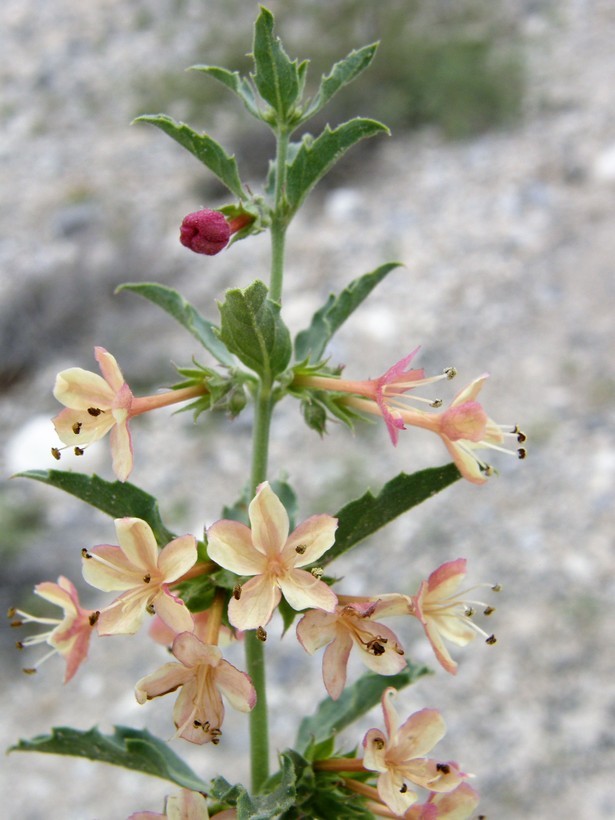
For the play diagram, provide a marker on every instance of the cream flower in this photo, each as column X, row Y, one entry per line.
column 398, row 756
column 274, row 557
column 144, row 572
column 204, row 676
column 187, row 805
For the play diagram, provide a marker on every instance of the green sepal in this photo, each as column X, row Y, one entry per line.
column 233, row 80
column 118, row 499
column 197, row 593
column 331, row 716
column 204, row 148
column 315, row 157
column 342, row 73
column 176, row 306
column 367, row 514
column 278, row 79
column 252, row 328
column 135, row 749
column 311, row 342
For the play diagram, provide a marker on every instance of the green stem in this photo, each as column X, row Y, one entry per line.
column 279, row 222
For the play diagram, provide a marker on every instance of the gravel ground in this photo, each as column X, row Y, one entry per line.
column 508, row 245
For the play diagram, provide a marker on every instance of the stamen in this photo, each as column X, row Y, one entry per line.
column 300, row 548
column 147, row 578
column 521, row 453
column 79, row 451
column 443, row 767
column 450, row 372
column 489, row 610
column 94, row 411
column 491, row 640
column 93, row 618
column 237, row 592
column 150, row 609
column 261, row 634
column 403, row 789
column 56, row 453
column 77, row 427
column 436, row 403
column 317, row 572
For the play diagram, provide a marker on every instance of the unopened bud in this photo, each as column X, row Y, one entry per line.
column 205, row 231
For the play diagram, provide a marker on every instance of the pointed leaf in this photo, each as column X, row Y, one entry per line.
column 332, row 716
column 253, row 330
column 176, row 306
column 276, row 77
column 367, row 514
column 203, row 147
column 261, row 806
column 235, row 82
column 316, row 156
column 131, row 748
column 342, row 73
column 117, row 499
column 326, row 321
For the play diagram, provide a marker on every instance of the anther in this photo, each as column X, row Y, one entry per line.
column 56, row 453
column 29, row 671
column 376, row 648
column 150, row 609
column 491, row 640
column 237, row 592
column 85, row 553
column 521, row 453
column 489, row 610
column 94, row 617
column 11, row 612
column 443, row 767
column 450, row 372
column 18, row 645
column 197, row 723
column 403, row 789
column 469, row 611
column 496, row 588
column 79, row 451
column 147, row 578
column 436, row 403
column 379, row 743
column 261, row 634
column 317, row 572
column 300, row 548
column 94, row 411
column 77, row 427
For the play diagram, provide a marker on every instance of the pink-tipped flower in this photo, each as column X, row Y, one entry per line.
column 398, row 756
column 96, row 405
column 350, row 625
column 204, row 676
column 187, row 805
column 445, row 612
column 456, row 805
column 164, row 635
column 144, row 573
column 274, row 557
column 70, row 636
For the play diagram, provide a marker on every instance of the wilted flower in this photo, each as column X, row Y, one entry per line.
column 350, row 625
column 274, row 557
column 203, row 676
column 70, row 636
column 398, row 756
column 145, row 573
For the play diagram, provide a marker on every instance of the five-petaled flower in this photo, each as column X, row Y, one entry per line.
column 70, row 636
column 456, row 805
column 398, row 756
column 444, row 612
column 96, row 405
column 274, row 557
column 350, row 625
column 187, row 805
column 137, row 567
column 204, row 676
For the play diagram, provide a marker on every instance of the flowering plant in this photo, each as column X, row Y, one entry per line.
column 205, row 594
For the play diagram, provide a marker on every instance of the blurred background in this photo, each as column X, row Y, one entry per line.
column 496, row 190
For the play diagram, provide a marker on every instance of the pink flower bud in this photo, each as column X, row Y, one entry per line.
column 205, row 232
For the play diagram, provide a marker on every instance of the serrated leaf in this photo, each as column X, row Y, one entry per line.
column 367, row 514
column 176, row 306
column 204, row 148
column 252, row 329
column 276, row 76
column 235, row 82
column 342, row 73
column 316, row 156
column 311, row 342
column 130, row 748
column 332, row 716
column 118, row 499
column 280, row 794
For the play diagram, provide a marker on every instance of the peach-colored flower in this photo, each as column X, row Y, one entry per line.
column 456, row 805
column 398, row 756
column 187, row 805
column 446, row 614
column 204, row 676
column 96, row 405
column 274, row 557
column 350, row 625
column 163, row 634
column 70, row 636
column 144, row 573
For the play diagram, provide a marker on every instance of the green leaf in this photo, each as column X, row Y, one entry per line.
column 252, row 329
column 332, row 716
column 277, row 77
column 342, row 73
column 204, row 148
column 117, row 499
column 130, row 748
column 367, row 514
column 181, row 310
column 235, row 82
column 316, row 156
column 326, row 321
column 274, row 802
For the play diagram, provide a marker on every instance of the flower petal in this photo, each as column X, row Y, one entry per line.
column 90, row 428
column 420, row 733
column 125, row 615
column 173, row 611
column 391, row 791
column 236, row 686
column 121, row 450
column 445, row 580
column 303, row 591
column 229, row 543
column 138, row 543
column 269, row 521
column 191, row 651
column 114, row 572
column 81, row 389
column 259, row 597
column 164, row 680
column 375, row 745
column 316, row 629
column 314, row 536
column 109, row 368
column 177, row 557
column 335, row 664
